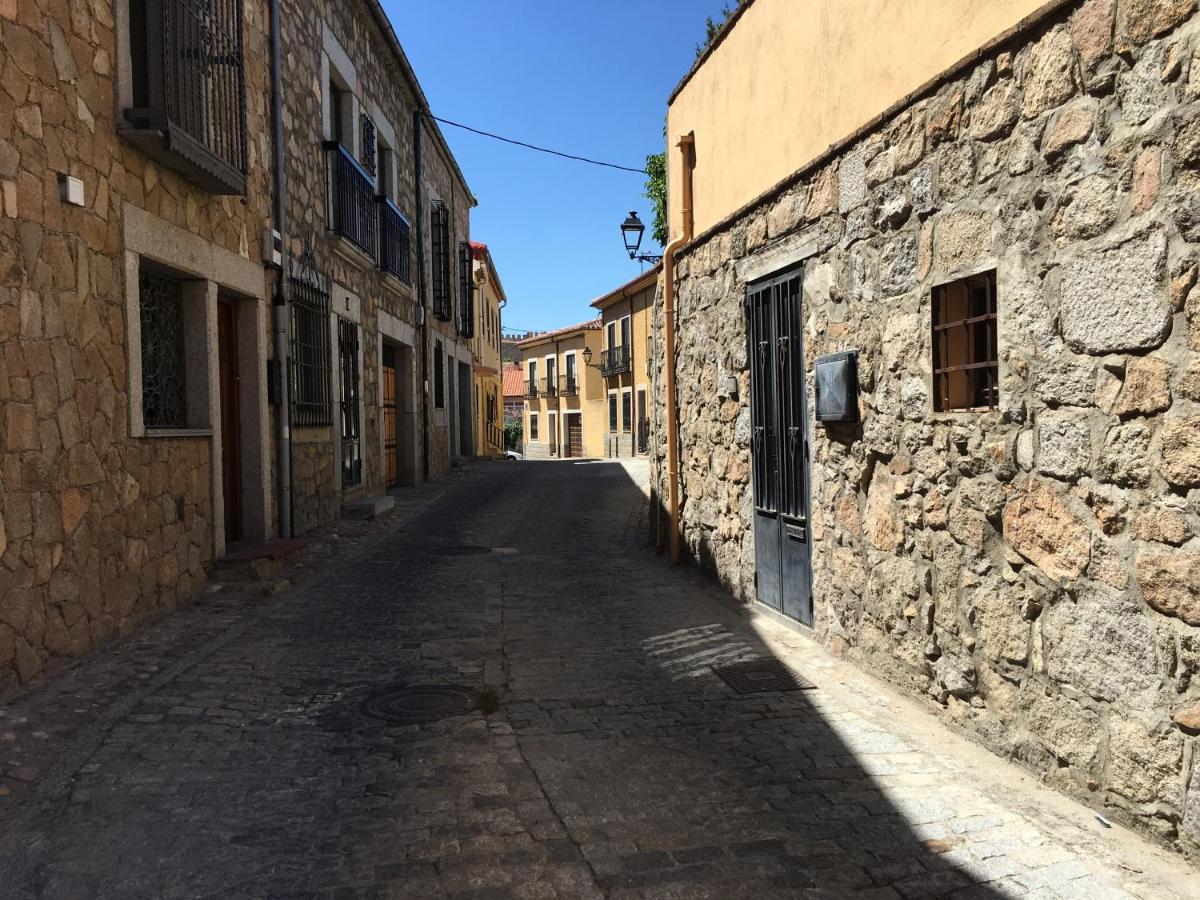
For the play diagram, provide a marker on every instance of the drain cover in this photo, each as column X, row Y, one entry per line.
column 411, row 704
column 760, row 676
column 462, row 550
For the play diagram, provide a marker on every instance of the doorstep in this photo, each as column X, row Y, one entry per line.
column 262, row 561
column 369, row 507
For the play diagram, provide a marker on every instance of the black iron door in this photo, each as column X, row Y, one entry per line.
column 779, row 445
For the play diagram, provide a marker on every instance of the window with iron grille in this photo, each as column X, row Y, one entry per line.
column 466, row 291
column 367, row 153
column 965, row 356
column 164, row 384
column 533, row 426
column 439, row 375
column 612, row 412
column 352, row 212
column 189, row 95
column 627, row 412
column 351, row 428
column 439, row 235
column 310, row 393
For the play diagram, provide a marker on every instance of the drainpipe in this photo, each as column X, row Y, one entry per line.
column 420, row 223
column 279, row 306
column 688, row 159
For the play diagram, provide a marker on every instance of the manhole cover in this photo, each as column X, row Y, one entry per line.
column 462, row 550
column 760, row 676
column 410, row 704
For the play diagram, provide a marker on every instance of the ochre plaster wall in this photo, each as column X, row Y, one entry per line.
column 846, row 63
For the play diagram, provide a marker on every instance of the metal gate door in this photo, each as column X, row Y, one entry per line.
column 779, row 445
column 391, row 409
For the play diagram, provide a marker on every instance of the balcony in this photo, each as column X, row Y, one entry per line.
column 531, row 390
column 395, row 247
column 189, row 93
column 614, row 361
column 351, row 200
column 549, row 387
column 568, row 386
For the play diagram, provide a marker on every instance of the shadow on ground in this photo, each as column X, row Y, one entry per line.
column 617, row 765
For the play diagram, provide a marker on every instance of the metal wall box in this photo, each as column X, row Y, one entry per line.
column 836, row 379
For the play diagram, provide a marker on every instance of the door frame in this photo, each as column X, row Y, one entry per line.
column 783, row 495
column 233, row 468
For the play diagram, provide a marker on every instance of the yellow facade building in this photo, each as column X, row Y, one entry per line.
column 488, row 396
column 626, row 364
column 564, row 393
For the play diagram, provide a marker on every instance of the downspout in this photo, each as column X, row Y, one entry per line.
column 687, row 156
column 279, row 306
column 420, row 222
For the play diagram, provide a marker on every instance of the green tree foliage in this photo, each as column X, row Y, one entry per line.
column 713, row 27
column 656, row 192
column 512, row 435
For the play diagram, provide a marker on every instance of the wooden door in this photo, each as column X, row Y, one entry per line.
column 231, row 438
column 575, row 436
column 390, row 417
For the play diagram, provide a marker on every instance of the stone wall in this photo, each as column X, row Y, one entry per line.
column 98, row 530
column 387, row 96
column 1034, row 571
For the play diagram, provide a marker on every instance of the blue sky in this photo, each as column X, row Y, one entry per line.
column 589, row 77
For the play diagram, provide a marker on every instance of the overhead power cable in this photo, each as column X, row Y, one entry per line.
column 594, row 162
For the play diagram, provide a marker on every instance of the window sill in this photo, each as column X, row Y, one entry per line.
column 177, row 433
column 351, row 253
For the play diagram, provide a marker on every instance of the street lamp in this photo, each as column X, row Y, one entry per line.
column 632, row 230
column 587, row 358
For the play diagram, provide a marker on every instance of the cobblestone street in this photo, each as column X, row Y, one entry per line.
column 222, row 752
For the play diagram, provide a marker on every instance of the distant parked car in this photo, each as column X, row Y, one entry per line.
column 512, row 454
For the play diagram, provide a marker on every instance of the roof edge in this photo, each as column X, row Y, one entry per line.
column 633, row 286
column 560, row 333
column 716, row 42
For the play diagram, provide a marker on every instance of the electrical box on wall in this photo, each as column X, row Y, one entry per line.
column 835, row 376
column 272, row 248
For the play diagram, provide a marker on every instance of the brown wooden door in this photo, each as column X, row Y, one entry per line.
column 575, row 436
column 390, row 417
column 231, row 438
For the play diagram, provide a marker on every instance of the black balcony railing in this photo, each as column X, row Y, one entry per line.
column 395, row 241
column 189, row 92
column 351, row 199
column 614, row 361
column 531, row 389
column 548, row 387
column 568, row 386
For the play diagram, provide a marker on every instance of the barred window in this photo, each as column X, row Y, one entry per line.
column 627, row 412
column 164, row 382
column 310, row 354
column 367, row 148
column 466, row 291
column 612, row 412
column 533, row 426
column 439, row 235
column 965, row 354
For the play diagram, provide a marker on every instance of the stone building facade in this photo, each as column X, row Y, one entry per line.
column 396, row 407
column 137, row 410
column 111, row 480
column 1032, row 568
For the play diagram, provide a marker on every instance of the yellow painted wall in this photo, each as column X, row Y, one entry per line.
column 794, row 76
column 639, row 307
column 590, row 400
column 485, row 347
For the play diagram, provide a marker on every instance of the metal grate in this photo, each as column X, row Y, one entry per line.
column 310, row 362
column 439, row 234
column 966, row 374
column 761, row 676
column 614, row 360
column 164, row 394
column 189, row 82
column 395, row 242
column 351, row 436
column 368, row 143
column 351, row 199
column 466, row 292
